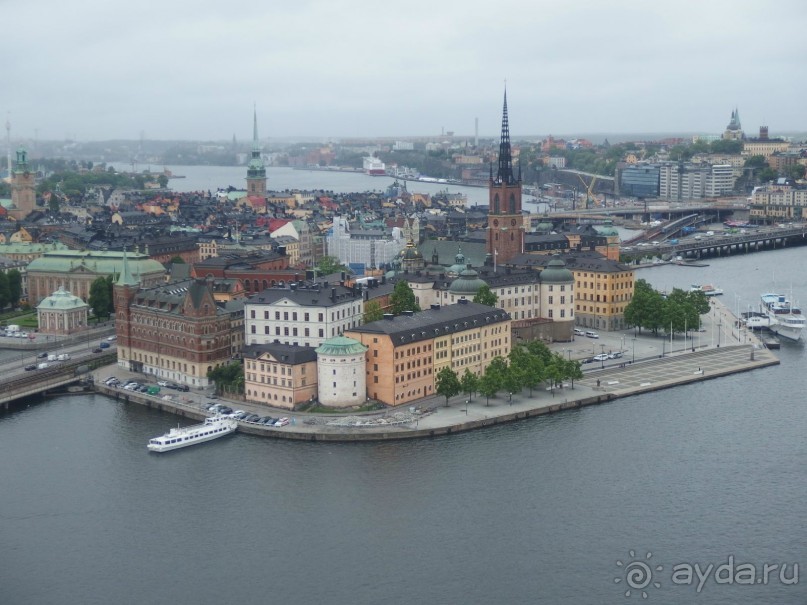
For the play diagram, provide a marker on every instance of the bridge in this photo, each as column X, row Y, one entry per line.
column 56, row 376
column 728, row 244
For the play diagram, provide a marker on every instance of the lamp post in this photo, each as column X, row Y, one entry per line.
column 633, row 356
column 466, row 406
column 569, row 354
column 602, row 359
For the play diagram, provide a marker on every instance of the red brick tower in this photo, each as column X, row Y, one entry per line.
column 505, row 222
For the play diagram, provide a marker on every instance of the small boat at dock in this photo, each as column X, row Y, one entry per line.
column 707, row 289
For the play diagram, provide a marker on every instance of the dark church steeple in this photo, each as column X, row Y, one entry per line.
column 256, row 171
column 505, row 171
column 505, row 233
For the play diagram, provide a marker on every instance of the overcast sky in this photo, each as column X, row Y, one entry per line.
column 107, row 69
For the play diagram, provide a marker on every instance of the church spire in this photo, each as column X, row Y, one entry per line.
column 125, row 278
column 255, row 127
column 505, row 172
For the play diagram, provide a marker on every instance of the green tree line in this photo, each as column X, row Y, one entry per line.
column 677, row 311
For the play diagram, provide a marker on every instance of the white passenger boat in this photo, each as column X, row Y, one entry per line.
column 788, row 321
column 189, row 435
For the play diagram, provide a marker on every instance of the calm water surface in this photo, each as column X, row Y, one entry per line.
column 534, row 512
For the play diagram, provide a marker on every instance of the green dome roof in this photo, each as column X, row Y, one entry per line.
column 341, row 345
column 556, row 273
column 467, row 283
column 61, row 299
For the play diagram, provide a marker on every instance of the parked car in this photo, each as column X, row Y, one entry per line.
column 97, row 350
column 104, row 345
column 601, row 357
column 42, row 355
column 162, row 383
column 615, row 355
column 183, row 387
column 590, row 334
column 28, row 368
column 282, row 422
column 111, row 338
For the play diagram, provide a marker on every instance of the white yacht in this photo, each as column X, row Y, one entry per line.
column 212, row 428
column 787, row 320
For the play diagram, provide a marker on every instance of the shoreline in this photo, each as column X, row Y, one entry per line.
column 692, row 362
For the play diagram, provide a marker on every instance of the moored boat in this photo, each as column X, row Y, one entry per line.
column 787, row 318
column 212, row 428
column 707, row 289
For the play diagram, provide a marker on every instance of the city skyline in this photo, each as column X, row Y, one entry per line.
column 338, row 70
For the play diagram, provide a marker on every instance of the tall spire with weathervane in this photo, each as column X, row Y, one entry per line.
column 256, row 171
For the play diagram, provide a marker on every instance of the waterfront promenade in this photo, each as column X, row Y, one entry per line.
column 648, row 363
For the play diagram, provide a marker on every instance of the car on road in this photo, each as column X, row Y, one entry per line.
column 28, row 368
column 590, row 334
column 104, row 345
column 183, row 387
column 615, row 355
column 601, row 357
column 43, row 355
column 111, row 338
column 97, row 350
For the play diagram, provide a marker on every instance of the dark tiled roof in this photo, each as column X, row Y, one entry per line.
column 431, row 323
column 319, row 294
column 283, row 353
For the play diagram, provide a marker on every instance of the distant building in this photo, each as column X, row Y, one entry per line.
column 23, row 187
column 75, row 270
column 256, row 171
column 734, row 130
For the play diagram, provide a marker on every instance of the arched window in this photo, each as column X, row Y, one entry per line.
column 496, row 204
column 512, row 203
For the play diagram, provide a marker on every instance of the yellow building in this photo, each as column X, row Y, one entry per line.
column 603, row 288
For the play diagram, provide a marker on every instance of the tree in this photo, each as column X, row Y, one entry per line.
column 5, row 294
column 469, row 383
column 178, row 260
column 14, row 287
column 163, row 181
column 447, row 383
column 403, row 298
column 53, row 203
column 485, row 296
column 110, row 283
column 328, row 265
column 373, row 311
column 99, row 299
column 488, row 385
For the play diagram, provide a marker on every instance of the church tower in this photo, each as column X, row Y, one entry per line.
column 23, row 187
column 256, row 171
column 505, row 222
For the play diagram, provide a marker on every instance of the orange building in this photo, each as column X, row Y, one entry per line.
column 405, row 352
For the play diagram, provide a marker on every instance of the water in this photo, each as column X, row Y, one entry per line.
column 533, row 512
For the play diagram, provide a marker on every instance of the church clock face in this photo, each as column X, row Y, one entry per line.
column 513, row 222
column 496, row 223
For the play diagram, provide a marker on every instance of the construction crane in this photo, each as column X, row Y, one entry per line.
column 589, row 187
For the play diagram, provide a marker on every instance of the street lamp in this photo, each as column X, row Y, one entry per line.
column 466, row 406
column 602, row 359
column 633, row 357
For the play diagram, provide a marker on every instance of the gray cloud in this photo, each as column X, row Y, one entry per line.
column 111, row 69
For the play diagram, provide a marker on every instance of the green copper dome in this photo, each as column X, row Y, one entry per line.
column 341, row 345
column 556, row 273
column 468, row 283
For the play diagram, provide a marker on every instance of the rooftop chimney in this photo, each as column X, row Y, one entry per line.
column 333, row 294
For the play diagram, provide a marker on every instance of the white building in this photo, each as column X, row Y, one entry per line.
column 341, row 373
column 304, row 314
column 371, row 247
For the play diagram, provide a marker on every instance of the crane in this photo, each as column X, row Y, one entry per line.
column 589, row 187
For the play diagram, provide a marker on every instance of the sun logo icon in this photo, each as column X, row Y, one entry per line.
column 638, row 574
